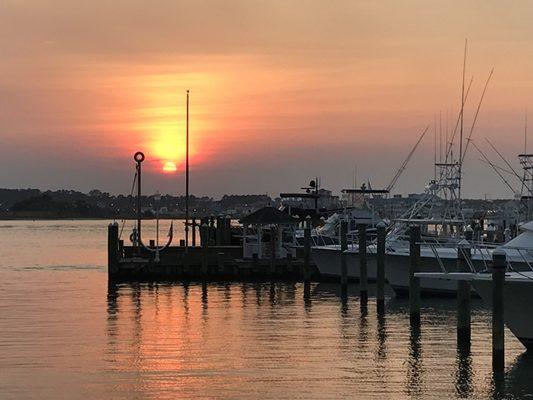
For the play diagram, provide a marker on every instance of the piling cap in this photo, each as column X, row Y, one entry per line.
column 499, row 258
column 499, row 252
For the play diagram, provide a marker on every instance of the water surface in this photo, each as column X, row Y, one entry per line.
column 66, row 333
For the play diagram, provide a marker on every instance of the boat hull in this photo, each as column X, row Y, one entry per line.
column 328, row 263
column 397, row 274
column 518, row 296
column 397, row 271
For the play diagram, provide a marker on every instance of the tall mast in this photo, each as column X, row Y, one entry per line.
column 187, row 177
column 440, row 135
column 434, row 147
column 461, row 131
column 525, row 134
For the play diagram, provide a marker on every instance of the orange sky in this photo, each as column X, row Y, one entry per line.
column 281, row 91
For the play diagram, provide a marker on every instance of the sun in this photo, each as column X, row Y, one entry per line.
column 169, row 167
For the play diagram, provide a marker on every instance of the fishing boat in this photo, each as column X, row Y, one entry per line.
column 327, row 257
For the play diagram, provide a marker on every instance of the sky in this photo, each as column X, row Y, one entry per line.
column 281, row 91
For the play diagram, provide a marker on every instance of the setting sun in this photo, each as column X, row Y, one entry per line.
column 170, row 166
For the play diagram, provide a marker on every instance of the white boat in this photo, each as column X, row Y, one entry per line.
column 518, row 296
column 327, row 256
column 519, row 252
column 328, row 261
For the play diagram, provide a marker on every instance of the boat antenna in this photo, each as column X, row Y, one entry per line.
column 462, row 123
column 187, row 176
column 440, row 135
column 525, row 133
column 476, row 115
column 406, row 161
column 512, row 170
column 494, row 167
column 446, row 142
column 434, row 147
column 456, row 127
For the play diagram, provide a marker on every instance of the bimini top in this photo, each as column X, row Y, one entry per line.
column 268, row 216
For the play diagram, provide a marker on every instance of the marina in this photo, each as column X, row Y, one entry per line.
column 265, row 200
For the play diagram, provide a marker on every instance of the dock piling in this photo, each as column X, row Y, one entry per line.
column 112, row 248
column 273, row 234
column 205, row 245
column 227, row 230
column 363, row 266
column 220, row 231
column 499, row 265
column 193, row 225
column 414, row 282
column 463, row 296
column 344, row 247
column 220, row 262
column 380, row 254
column 307, row 253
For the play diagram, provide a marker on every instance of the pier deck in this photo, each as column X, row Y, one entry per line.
column 132, row 263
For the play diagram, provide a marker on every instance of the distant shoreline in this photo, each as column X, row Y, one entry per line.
column 3, row 218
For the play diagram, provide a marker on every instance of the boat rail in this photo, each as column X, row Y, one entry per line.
column 484, row 250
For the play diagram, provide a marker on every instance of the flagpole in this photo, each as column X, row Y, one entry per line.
column 187, row 178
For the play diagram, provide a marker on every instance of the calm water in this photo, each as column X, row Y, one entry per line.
column 64, row 333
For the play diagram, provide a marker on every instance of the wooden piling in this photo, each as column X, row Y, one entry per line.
column 112, row 248
column 273, row 234
column 414, row 282
column 220, row 262
column 220, row 231
column 205, row 246
column 464, row 255
column 227, row 230
column 499, row 265
column 289, row 262
column 380, row 254
column 203, row 232
column 307, row 254
column 363, row 269
column 212, row 231
column 344, row 247
column 193, row 225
